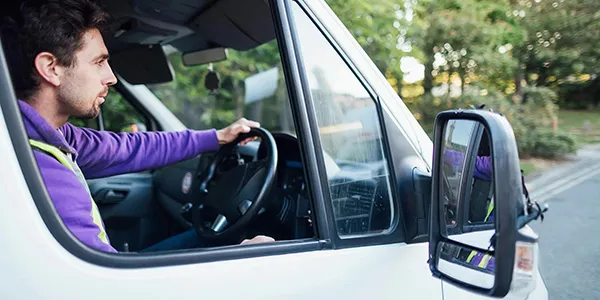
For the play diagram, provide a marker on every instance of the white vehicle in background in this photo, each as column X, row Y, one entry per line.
column 360, row 209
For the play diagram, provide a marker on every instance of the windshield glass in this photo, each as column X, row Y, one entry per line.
column 251, row 85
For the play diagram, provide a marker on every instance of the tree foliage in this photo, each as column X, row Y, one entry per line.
column 497, row 52
column 522, row 57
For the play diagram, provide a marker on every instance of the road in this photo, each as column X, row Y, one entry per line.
column 570, row 240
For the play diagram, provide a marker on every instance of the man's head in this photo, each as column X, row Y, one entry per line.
column 55, row 51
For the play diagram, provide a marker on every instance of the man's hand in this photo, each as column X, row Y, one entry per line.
column 258, row 239
column 231, row 132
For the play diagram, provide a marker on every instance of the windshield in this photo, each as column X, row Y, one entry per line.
column 251, row 85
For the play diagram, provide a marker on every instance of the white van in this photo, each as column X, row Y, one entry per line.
column 363, row 205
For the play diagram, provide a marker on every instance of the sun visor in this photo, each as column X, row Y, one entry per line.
column 240, row 25
column 142, row 65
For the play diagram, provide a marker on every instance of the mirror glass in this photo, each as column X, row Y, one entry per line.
column 204, row 56
column 467, row 264
column 466, row 186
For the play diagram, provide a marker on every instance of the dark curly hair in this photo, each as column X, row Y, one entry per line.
column 30, row 27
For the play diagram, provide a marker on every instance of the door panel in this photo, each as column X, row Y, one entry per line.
column 129, row 212
column 332, row 85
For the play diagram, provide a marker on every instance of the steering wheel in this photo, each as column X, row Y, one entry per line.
column 451, row 205
column 239, row 194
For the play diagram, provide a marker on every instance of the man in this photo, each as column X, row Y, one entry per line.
column 59, row 67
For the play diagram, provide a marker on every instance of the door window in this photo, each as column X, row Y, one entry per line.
column 350, row 134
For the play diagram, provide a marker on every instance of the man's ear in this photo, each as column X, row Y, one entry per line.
column 48, row 68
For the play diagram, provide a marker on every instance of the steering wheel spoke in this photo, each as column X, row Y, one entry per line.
column 219, row 224
column 241, row 192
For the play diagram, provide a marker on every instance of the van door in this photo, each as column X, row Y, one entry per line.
column 359, row 185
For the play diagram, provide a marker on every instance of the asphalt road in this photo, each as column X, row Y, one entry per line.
column 570, row 242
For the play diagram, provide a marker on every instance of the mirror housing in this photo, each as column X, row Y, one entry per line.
column 498, row 248
column 204, row 56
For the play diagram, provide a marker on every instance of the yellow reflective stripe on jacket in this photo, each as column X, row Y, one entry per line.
column 66, row 161
column 484, row 261
column 59, row 155
column 471, row 255
column 490, row 209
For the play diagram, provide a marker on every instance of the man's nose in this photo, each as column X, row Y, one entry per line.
column 111, row 78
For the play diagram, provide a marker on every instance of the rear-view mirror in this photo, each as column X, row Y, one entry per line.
column 476, row 201
column 204, row 56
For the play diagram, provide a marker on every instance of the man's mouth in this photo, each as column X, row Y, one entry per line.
column 102, row 95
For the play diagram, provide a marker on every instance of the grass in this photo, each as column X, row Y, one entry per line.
column 527, row 168
column 574, row 122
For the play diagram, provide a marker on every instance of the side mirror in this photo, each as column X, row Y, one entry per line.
column 477, row 200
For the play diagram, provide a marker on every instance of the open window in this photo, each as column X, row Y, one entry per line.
column 250, row 83
column 350, row 133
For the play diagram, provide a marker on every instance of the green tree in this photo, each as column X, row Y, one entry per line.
column 563, row 40
column 462, row 38
column 380, row 28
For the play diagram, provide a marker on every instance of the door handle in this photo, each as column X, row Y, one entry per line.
column 112, row 196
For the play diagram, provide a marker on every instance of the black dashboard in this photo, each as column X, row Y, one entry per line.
column 288, row 213
column 290, row 206
column 359, row 192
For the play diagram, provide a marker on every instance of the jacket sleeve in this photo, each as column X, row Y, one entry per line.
column 103, row 153
column 483, row 164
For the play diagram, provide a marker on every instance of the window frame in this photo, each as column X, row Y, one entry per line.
column 396, row 232
column 465, row 195
column 68, row 241
column 463, row 188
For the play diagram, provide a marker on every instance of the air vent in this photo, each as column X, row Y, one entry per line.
column 353, row 200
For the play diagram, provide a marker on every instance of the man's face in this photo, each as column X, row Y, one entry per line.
column 84, row 86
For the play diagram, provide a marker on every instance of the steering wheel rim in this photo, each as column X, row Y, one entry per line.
column 223, row 227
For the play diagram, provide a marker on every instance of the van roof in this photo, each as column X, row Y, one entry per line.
column 189, row 25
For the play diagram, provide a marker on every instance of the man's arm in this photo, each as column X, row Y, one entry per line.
column 483, row 168
column 483, row 164
column 102, row 153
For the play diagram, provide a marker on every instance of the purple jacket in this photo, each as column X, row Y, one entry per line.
column 101, row 154
column 490, row 265
column 483, row 164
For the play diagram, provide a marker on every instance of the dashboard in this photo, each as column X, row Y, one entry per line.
column 359, row 192
column 290, row 205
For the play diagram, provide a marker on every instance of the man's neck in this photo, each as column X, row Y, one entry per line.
column 48, row 109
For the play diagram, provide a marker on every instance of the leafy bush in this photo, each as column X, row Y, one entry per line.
column 532, row 121
column 546, row 144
